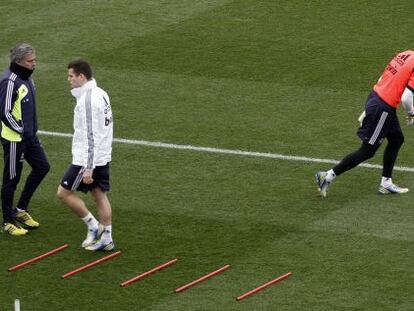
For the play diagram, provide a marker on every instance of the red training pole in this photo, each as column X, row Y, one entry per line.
column 143, row 275
column 91, row 264
column 203, row 278
column 261, row 287
column 27, row 262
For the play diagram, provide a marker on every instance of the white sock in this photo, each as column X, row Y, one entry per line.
column 386, row 181
column 90, row 221
column 20, row 210
column 107, row 233
column 330, row 175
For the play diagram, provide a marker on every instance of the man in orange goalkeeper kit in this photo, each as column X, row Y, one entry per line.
column 380, row 121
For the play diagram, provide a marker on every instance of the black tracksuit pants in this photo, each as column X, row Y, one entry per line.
column 15, row 153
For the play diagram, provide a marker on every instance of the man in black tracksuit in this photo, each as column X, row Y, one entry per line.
column 19, row 139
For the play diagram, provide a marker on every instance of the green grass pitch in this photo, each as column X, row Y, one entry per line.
column 287, row 77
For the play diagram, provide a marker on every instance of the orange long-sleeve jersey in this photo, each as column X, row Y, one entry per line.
column 398, row 75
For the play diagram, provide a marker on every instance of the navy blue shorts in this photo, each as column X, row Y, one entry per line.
column 380, row 122
column 72, row 180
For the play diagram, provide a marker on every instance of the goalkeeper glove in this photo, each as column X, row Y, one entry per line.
column 410, row 118
column 361, row 117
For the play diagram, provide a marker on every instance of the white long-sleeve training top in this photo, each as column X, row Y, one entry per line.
column 93, row 125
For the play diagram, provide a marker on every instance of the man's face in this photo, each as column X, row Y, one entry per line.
column 75, row 80
column 29, row 61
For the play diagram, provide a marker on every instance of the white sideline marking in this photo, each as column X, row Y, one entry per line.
column 230, row 151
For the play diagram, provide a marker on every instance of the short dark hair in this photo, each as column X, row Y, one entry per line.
column 81, row 66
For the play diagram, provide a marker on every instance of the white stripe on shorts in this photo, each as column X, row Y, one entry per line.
column 378, row 128
column 78, row 179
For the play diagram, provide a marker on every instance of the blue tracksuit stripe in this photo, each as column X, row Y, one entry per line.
column 91, row 143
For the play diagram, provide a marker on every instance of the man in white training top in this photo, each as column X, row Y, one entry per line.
column 91, row 154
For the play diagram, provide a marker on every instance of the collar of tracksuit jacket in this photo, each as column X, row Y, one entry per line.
column 21, row 71
column 79, row 91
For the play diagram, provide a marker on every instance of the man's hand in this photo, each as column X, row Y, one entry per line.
column 87, row 176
